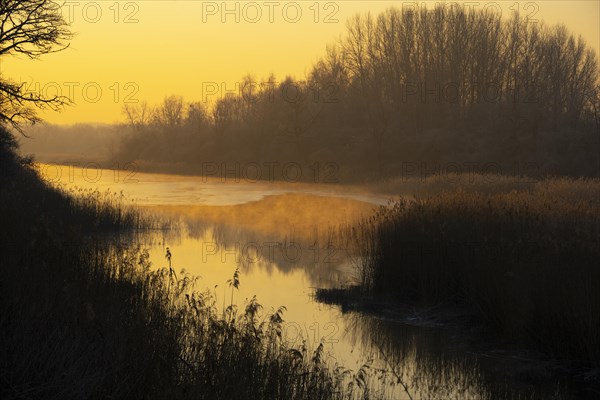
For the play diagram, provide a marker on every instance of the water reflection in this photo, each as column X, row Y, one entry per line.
column 439, row 363
column 286, row 241
column 282, row 266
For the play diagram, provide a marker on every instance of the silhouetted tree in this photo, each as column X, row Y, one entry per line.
column 171, row 112
column 137, row 114
column 197, row 117
column 31, row 28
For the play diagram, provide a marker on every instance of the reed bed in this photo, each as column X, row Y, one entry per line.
column 525, row 261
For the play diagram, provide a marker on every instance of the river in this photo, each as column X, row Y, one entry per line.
column 283, row 238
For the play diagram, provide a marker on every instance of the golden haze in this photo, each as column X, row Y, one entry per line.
column 146, row 50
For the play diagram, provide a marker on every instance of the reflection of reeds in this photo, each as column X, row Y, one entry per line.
column 290, row 231
column 81, row 319
column 526, row 260
column 440, row 363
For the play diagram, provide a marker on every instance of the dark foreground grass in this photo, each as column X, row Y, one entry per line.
column 527, row 262
column 80, row 319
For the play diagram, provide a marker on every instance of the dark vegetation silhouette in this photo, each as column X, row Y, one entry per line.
column 29, row 28
column 437, row 87
column 523, row 263
column 83, row 317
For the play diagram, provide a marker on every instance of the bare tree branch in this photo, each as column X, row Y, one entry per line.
column 31, row 28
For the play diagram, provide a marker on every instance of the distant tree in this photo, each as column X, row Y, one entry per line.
column 170, row 113
column 197, row 117
column 365, row 59
column 594, row 101
column 228, row 113
column 301, row 106
column 31, row 28
column 137, row 114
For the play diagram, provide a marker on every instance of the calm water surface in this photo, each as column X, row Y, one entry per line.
column 282, row 237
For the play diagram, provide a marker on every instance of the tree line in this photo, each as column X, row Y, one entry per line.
column 439, row 86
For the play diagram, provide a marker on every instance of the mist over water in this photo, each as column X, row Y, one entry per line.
column 165, row 189
column 286, row 240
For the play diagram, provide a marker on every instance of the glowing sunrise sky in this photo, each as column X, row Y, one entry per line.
column 173, row 47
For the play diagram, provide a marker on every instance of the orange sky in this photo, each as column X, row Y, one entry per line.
column 146, row 50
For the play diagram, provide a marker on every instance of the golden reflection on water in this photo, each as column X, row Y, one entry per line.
column 283, row 246
column 285, row 240
column 290, row 215
column 275, row 243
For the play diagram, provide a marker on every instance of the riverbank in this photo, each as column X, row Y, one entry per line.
column 522, row 264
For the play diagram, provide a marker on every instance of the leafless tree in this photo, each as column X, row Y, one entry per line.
column 137, row 114
column 31, row 28
column 171, row 111
column 197, row 116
